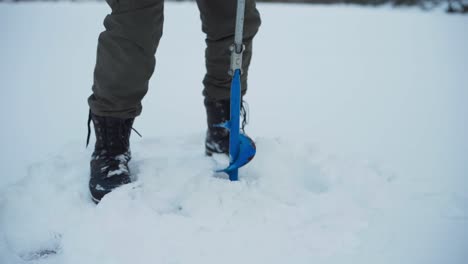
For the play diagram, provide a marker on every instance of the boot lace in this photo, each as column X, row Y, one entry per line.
column 244, row 111
column 115, row 133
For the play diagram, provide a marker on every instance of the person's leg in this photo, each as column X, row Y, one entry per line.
column 125, row 57
column 125, row 63
column 218, row 22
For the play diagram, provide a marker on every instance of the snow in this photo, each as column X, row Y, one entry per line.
column 359, row 116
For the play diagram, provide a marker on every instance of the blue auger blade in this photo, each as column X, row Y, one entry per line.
column 247, row 150
column 241, row 148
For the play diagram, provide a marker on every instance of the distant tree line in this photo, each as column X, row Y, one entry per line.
column 453, row 6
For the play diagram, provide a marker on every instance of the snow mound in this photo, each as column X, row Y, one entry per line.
column 293, row 204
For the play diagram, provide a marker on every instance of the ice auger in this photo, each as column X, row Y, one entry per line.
column 241, row 148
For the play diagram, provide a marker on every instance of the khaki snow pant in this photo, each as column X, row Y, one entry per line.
column 125, row 54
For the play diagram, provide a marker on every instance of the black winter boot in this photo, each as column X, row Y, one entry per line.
column 109, row 162
column 217, row 138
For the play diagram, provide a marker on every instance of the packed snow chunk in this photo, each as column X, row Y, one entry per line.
column 292, row 204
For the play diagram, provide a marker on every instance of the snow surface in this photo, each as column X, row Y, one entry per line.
column 359, row 115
